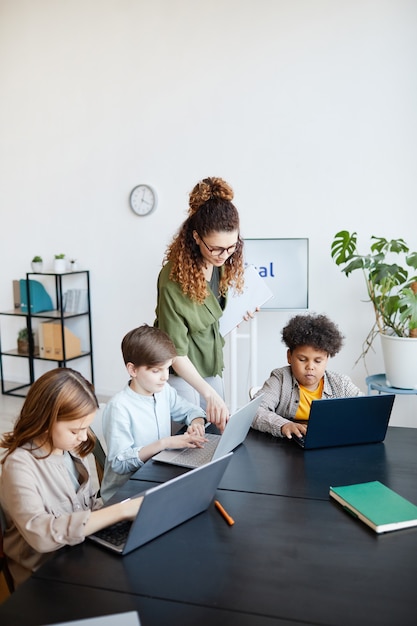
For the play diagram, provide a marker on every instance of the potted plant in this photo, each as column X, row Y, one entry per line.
column 23, row 341
column 60, row 263
column 37, row 264
column 393, row 294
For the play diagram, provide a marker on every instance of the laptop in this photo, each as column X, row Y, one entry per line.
column 347, row 421
column 165, row 506
column 128, row 618
column 217, row 445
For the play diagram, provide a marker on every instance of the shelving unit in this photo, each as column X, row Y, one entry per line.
column 80, row 321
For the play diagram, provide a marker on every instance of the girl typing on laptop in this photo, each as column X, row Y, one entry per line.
column 46, row 494
column 289, row 391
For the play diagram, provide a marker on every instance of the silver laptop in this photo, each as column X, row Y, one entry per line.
column 218, row 445
column 164, row 507
column 129, row 618
column 347, row 421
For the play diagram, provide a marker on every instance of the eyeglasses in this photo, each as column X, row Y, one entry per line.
column 220, row 251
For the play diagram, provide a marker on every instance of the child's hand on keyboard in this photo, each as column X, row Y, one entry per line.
column 293, row 429
column 188, row 440
column 197, row 427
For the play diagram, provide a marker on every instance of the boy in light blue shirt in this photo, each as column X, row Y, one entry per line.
column 137, row 420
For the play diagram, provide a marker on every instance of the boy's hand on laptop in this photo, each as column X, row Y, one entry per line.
column 185, row 441
column 291, row 429
column 197, row 427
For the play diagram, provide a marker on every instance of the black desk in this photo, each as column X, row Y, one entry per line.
column 51, row 602
column 270, row 465
column 292, row 557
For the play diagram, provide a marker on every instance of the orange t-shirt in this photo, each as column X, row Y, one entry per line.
column 306, row 398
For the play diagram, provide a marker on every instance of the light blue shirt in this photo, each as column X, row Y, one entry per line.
column 132, row 421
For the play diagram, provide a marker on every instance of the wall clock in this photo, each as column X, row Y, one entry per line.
column 143, row 199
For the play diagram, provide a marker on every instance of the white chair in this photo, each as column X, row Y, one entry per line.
column 253, row 391
column 100, row 449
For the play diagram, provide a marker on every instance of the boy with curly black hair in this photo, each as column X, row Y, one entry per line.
column 289, row 391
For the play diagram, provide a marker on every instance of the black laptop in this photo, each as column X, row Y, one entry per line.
column 347, row 421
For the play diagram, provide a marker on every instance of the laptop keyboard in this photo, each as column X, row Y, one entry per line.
column 115, row 534
column 299, row 440
column 199, row 456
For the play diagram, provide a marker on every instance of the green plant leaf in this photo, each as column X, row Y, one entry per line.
column 385, row 269
column 408, row 306
column 388, row 275
column 397, row 246
column 380, row 244
column 343, row 246
column 355, row 264
column 411, row 260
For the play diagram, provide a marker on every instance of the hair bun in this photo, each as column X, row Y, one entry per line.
column 209, row 189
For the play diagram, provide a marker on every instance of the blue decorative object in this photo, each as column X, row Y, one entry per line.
column 40, row 300
column 378, row 383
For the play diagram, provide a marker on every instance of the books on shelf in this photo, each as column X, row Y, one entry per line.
column 50, row 342
column 378, row 506
column 76, row 301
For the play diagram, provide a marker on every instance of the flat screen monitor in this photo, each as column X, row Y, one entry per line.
column 284, row 265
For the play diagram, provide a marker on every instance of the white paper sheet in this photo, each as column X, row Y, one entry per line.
column 255, row 293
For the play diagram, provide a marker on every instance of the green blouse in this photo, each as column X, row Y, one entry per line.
column 193, row 327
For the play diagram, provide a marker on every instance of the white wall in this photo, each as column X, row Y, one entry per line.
column 307, row 107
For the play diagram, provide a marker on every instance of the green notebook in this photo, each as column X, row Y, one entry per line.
column 378, row 506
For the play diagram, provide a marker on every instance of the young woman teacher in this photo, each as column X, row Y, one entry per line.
column 204, row 259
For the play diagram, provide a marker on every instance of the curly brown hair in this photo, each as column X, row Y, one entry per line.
column 210, row 210
column 313, row 330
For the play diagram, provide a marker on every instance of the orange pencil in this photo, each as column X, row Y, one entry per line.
column 226, row 516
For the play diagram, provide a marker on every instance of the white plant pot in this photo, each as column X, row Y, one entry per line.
column 400, row 358
column 37, row 266
column 60, row 265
